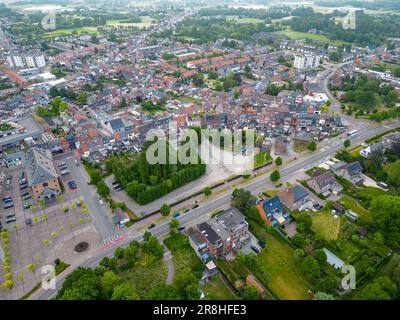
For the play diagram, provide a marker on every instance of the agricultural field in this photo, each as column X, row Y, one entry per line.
column 243, row 20
column 317, row 37
column 69, row 31
column 146, row 22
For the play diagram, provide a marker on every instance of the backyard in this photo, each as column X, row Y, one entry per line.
column 278, row 271
column 217, row 289
column 326, row 225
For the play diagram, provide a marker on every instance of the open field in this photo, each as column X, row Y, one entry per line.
column 243, row 20
column 146, row 22
column 218, row 289
column 317, row 37
column 69, row 31
column 300, row 145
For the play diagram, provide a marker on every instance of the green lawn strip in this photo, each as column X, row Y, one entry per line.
column 218, row 289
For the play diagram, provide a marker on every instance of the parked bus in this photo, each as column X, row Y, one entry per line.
column 352, row 133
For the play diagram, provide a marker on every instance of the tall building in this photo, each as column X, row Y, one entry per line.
column 26, row 61
column 307, row 61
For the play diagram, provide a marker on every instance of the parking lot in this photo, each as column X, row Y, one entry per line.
column 39, row 234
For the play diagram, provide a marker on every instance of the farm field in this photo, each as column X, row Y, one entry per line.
column 317, row 37
column 69, row 31
column 244, row 20
column 146, row 22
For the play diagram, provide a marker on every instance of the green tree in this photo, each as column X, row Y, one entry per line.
column 165, row 209
column 102, row 189
column 320, row 256
column 312, row 146
column 162, row 292
column 173, row 226
column 278, row 161
column 275, row 176
column 242, row 199
column 207, row 191
column 346, row 143
column 381, row 288
column 310, row 268
column 250, row 292
column 108, row 281
column 124, row 291
column 386, row 217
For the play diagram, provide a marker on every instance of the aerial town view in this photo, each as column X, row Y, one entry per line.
column 200, row 150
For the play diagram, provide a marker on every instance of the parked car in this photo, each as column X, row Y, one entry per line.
column 181, row 228
column 22, row 187
column 101, row 202
column 7, row 199
column 118, row 189
column 151, row 226
column 255, row 249
column 64, row 172
column 186, row 210
column 114, row 183
column 77, row 163
column 28, row 222
column 27, row 205
column 62, row 164
column 28, row 196
column 176, row 214
column 317, row 206
column 10, row 216
column 195, row 206
column 261, row 244
column 8, row 205
column 11, row 220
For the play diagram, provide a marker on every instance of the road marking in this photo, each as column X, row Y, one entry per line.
column 112, row 240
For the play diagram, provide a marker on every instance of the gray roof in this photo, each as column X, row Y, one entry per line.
column 116, row 123
column 299, row 193
column 324, row 179
column 39, row 166
column 231, row 219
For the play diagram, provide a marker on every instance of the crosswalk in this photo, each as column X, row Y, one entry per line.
column 112, row 240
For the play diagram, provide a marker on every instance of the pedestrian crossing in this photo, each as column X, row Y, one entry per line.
column 112, row 240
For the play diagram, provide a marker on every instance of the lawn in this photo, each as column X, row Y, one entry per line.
column 218, row 289
column 278, row 270
column 353, row 205
column 317, row 37
column 144, row 278
column 69, row 31
column 325, row 224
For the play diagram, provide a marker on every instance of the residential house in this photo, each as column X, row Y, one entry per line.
column 324, row 183
column 120, row 217
column 295, row 198
column 219, row 242
column 275, row 213
column 350, row 171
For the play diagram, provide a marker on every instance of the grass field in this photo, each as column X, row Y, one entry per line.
column 317, row 37
column 146, row 22
column 325, row 224
column 279, row 270
column 354, row 206
column 261, row 158
column 218, row 289
column 67, row 32
column 244, row 20
column 144, row 278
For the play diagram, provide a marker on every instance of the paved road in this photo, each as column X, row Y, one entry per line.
column 101, row 215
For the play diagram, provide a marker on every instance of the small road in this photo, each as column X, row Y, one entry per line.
column 170, row 264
